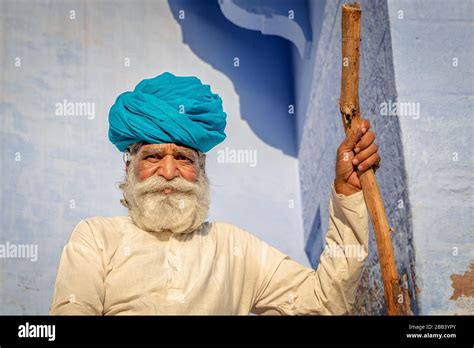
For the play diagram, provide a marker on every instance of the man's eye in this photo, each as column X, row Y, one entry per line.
column 183, row 158
column 152, row 157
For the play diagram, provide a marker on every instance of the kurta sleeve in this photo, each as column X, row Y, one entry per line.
column 288, row 288
column 79, row 288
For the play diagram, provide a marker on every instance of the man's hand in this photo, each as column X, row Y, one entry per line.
column 356, row 152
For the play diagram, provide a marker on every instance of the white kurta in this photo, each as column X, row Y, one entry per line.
column 110, row 266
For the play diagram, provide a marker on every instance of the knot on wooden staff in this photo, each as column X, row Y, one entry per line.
column 349, row 101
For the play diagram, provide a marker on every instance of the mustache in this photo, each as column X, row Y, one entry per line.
column 157, row 184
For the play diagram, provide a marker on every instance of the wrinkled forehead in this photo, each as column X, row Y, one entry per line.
column 167, row 149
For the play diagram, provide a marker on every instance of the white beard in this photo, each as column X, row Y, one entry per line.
column 183, row 211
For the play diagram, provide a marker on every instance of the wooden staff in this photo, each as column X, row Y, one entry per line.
column 395, row 297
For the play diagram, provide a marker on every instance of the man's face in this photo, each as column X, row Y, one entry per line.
column 167, row 160
column 166, row 189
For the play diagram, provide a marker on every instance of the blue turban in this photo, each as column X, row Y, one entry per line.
column 168, row 109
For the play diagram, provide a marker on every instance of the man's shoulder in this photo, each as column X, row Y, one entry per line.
column 241, row 241
column 221, row 226
column 100, row 226
column 106, row 222
column 225, row 230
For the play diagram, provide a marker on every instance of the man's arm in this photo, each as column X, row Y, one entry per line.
column 286, row 287
column 79, row 288
column 289, row 288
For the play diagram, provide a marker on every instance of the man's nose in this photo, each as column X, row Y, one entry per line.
column 168, row 168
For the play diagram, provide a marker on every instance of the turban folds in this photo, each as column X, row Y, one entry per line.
column 168, row 109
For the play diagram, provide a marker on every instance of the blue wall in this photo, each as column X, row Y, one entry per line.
column 321, row 132
column 418, row 53
column 433, row 51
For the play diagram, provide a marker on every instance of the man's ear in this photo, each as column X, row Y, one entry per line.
column 126, row 159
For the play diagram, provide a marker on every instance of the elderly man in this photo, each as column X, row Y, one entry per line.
column 165, row 258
